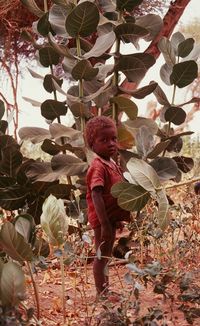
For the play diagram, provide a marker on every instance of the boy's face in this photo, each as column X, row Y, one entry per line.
column 105, row 142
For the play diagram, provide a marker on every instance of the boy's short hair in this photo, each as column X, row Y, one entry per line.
column 94, row 125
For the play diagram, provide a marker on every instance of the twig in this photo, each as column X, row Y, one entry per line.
column 183, row 183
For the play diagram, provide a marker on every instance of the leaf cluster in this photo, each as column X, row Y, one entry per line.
column 67, row 31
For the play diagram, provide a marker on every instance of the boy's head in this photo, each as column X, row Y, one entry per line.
column 96, row 125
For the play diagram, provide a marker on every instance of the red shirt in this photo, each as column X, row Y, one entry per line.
column 106, row 174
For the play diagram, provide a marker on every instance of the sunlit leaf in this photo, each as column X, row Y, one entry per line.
column 34, row 134
column 125, row 138
column 54, row 220
column 163, row 205
column 176, row 39
column 24, row 225
column 133, row 125
column 144, row 175
column 167, row 50
column 102, row 44
column 153, row 23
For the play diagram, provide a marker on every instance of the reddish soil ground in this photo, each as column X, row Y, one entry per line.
column 83, row 310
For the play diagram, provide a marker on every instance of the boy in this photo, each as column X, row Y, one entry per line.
column 103, row 210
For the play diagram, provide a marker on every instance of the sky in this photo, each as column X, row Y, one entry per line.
column 32, row 88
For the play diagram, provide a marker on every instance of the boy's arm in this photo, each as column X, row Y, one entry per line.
column 97, row 198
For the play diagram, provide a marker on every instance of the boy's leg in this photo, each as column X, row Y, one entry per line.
column 101, row 280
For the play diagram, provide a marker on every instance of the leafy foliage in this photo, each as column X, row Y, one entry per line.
column 149, row 149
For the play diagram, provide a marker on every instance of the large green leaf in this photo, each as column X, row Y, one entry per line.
column 158, row 149
column 43, row 25
column 185, row 47
column 33, row 7
column 165, row 73
column 185, row 164
column 135, row 66
column 80, row 110
column 124, row 104
column 175, row 115
column 57, row 17
column 160, row 96
column 129, row 32
column 49, row 84
column 102, row 44
column 140, row 92
column 12, row 284
column 48, row 56
column 13, row 197
column 58, row 130
column 68, row 164
column 83, row 20
column 52, row 109
column 130, row 197
column 153, row 23
column 134, row 125
column 14, row 244
column 41, row 171
column 145, row 142
column 184, row 73
column 11, row 160
column 84, row 70
column 2, row 109
column 60, row 191
column 3, row 126
column 144, row 175
column 34, row 134
column 127, row 5
column 165, row 167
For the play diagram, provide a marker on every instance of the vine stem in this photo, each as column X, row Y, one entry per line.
column 183, row 183
column 36, row 293
column 63, row 286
